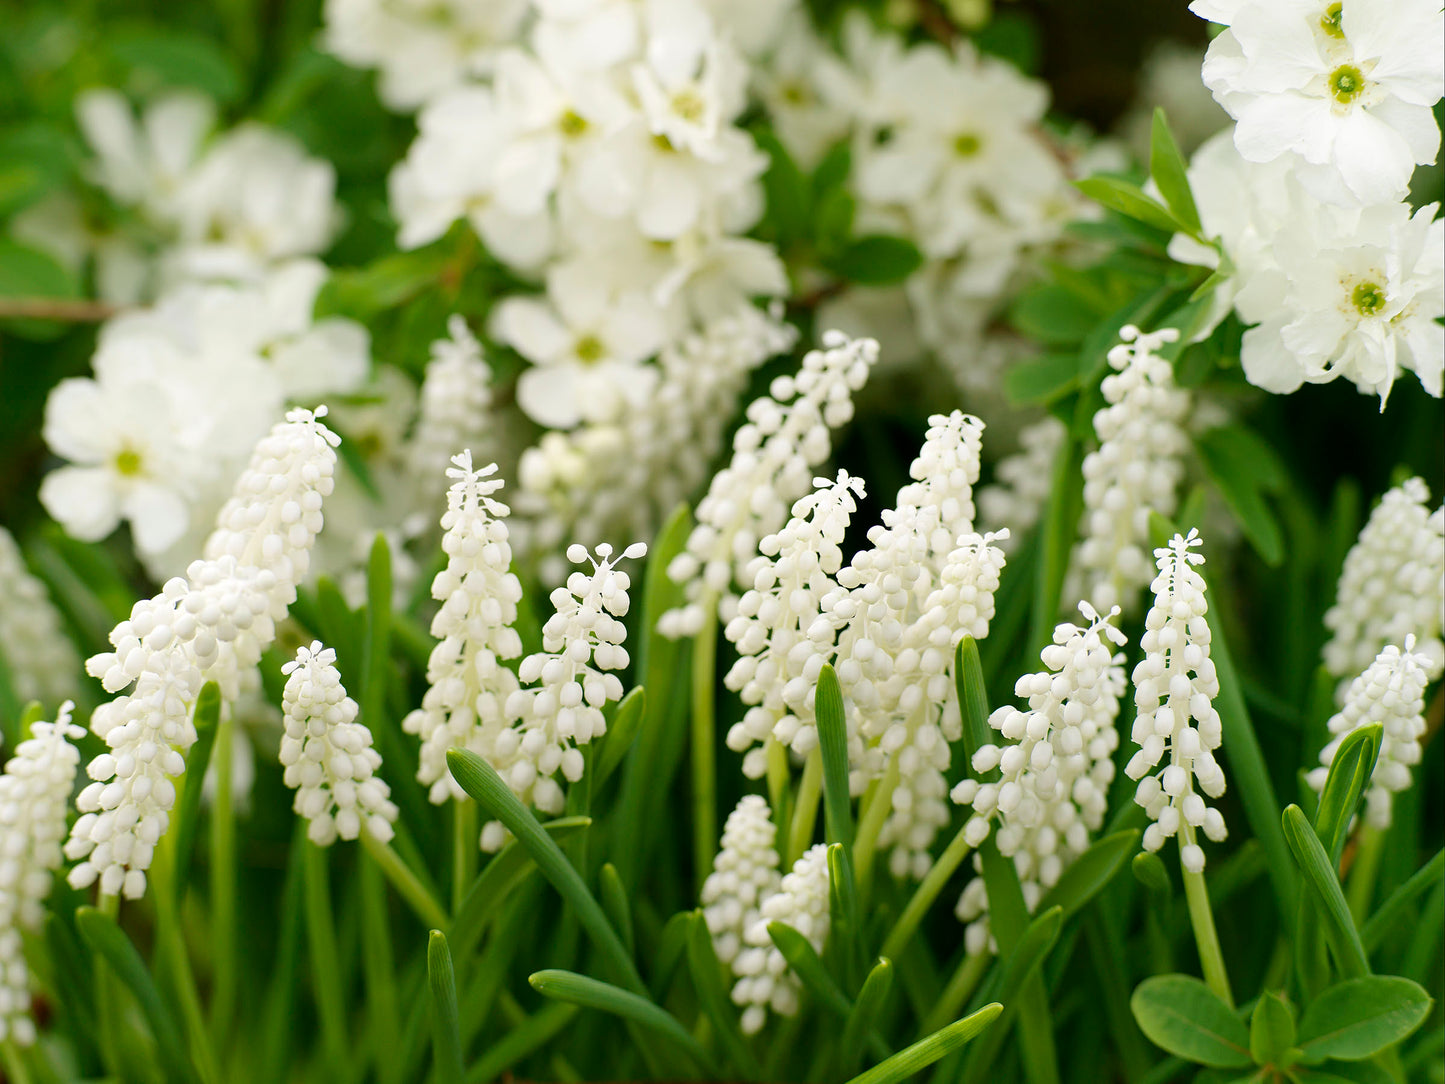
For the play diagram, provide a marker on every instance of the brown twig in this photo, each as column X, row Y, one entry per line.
column 54, row 308
column 935, row 21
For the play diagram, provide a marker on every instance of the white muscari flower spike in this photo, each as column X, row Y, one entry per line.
column 764, row 981
column 782, row 638
column 1021, row 481
column 1174, row 685
column 211, row 625
column 1135, row 470
column 1054, row 779
column 34, row 796
column 1392, row 585
column 569, row 682
column 328, row 756
column 452, row 410
column 744, row 874
column 786, row 434
column 42, row 661
column 1391, row 692
column 464, row 706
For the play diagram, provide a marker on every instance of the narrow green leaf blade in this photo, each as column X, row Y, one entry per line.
column 614, row 902
column 1167, row 167
column 972, row 698
column 1129, row 200
column 833, row 738
column 206, row 718
column 864, row 1015
column 808, row 966
column 617, row 742
column 1309, row 853
column 1090, row 872
column 445, row 1032
column 1358, row 1018
column 707, row 981
column 1349, row 774
column 1425, row 878
column 1184, row 1017
column 925, row 1052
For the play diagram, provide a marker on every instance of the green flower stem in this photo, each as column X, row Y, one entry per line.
column 464, row 849
column 1211, row 959
column 923, row 897
column 405, row 882
column 704, row 739
column 960, row 988
column 779, row 776
column 172, row 957
column 805, row 812
column 322, row 952
column 1369, row 848
column 13, row 1063
column 223, row 885
column 876, row 806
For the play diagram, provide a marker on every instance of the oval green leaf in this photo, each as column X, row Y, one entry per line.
column 1183, row 1016
column 1358, row 1018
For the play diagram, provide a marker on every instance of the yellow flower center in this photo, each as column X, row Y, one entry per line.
column 589, row 349
column 1368, row 298
column 573, row 124
column 1330, row 21
column 688, row 105
column 127, row 463
column 1346, row 83
column 966, row 144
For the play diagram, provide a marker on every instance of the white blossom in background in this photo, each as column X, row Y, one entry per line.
column 210, row 625
column 468, row 685
column 787, row 433
column 744, row 874
column 421, row 47
column 456, row 394
column 1392, row 585
column 623, row 477
column 567, row 684
column 328, row 756
column 1391, row 692
column 1169, row 80
column 1052, row 791
column 782, row 637
column 1135, row 470
column 764, row 980
column 1174, row 688
column 1022, row 481
column 34, row 799
column 1344, row 89
column 39, row 657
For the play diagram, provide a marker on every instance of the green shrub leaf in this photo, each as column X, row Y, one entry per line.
column 1360, row 1017
column 1272, row 1030
column 1181, row 1015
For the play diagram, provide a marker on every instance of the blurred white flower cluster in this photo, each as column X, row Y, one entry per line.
column 1306, row 196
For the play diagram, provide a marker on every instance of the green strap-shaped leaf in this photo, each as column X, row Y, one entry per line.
column 481, row 781
column 1149, row 871
column 1349, row 774
column 1166, row 166
column 617, row 742
column 972, row 699
column 1425, row 878
column 524, row 1039
column 833, row 738
column 109, row 941
column 864, row 1015
column 206, row 718
column 1358, row 1018
column 925, row 1052
column 1090, row 872
column 446, row 1035
column 1272, row 1030
column 1183, row 1016
column 1024, row 998
column 614, row 902
column 808, row 966
column 1340, row 932
column 707, row 981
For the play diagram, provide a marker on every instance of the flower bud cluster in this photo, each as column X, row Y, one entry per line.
column 1392, row 585
column 782, row 637
column 744, row 874
column 764, row 981
column 39, row 657
column 211, row 625
column 34, row 796
column 1391, row 692
column 452, row 410
column 1052, row 788
column 1136, row 469
column 1174, row 686
column 787, row 433
column 328, row 756
column 465, row 705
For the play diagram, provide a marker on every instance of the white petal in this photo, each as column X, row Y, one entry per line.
column 548, row 395
column 82, row 500
column 158, row 516
column 532, row 329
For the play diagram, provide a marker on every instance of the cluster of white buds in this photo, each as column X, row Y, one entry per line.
column 211, row 625
column 38, row 656
column 1135, row 471
column 452, row 412
column 328, row 756
column 34, row 795
column 744, row 874
column 465, row 705
column 1391, row 692
column 1052, row 790
column 782, row 637
column 943, row 474
column 1392, row 585
column 570, row 682
column 1175, row 684
column 764, row 981
column 1022, row 480
column 624, row 475
column 787, row 433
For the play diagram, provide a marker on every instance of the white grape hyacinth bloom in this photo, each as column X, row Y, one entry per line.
column 1391, row 692
column 210, row 625
column 1344, row 89
column 1052, row 791
column 1022, row 481
column 456, row 395
column 786, row 434
column 41, row 660
column 1174, row 686
column 764, row 980
column 1135, row 470
column 744, row 874
column 1392, row 585
column 465, row 705
column 34, row 798
column 327, row 755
